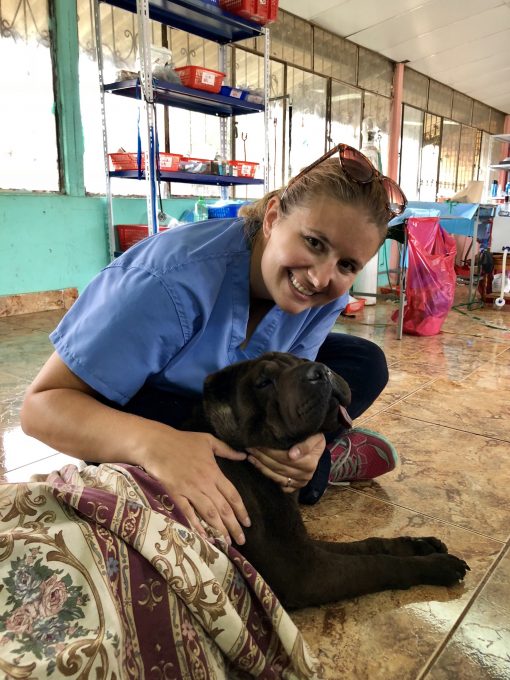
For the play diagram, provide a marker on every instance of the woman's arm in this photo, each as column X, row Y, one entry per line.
column 61, row 410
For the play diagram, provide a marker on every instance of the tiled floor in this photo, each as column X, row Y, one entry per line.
column 447, row 409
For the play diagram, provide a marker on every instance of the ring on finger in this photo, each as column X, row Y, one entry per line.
column 289, row 481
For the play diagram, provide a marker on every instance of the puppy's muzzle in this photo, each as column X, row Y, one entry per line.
column 317, row 374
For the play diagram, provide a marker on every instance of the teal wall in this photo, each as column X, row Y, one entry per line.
column 53, row 241
column 50, row 241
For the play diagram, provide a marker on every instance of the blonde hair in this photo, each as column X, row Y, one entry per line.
column 326, row 179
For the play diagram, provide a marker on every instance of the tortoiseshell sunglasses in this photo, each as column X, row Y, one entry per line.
column 358, row 168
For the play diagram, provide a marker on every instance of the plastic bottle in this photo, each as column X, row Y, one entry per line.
column 200, row 212
column 507, row 189
column 494, row 188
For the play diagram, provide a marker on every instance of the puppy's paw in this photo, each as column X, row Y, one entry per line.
column 443, row 569
column 427, row 545
column 412, row 545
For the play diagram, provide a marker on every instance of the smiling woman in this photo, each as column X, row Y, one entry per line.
column 190, row 301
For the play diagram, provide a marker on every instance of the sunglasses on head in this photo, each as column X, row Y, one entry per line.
column 358, row 168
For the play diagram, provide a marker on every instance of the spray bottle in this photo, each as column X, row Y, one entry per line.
column 200, row 213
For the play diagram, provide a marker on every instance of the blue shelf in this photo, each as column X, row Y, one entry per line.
column 198, row 17
column 191, row 178
column 175, row 94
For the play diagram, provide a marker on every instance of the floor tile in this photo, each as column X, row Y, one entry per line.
column 447, row 409
column 17, row 449
column 480, row 646
column 390, row 634
column 42, row 466
column 459, row 477
column 25, row 355
column 452, row 404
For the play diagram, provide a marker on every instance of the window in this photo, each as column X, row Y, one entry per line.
column 440, row 99
column 375, row 72
column 291, row 40
column 497, row 122
column 468, row 156
column 430, row 157
column 119, row 30
column 28, row 144
column 449, row 158
column 345, row 114
column 416, row 88
column 462, row 108
column 376, row 115
column 307, row 93
column 249, row 137
column 481, row 116
column 334, row 56
column 410, row 155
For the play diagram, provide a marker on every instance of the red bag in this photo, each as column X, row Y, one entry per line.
column 431, row 278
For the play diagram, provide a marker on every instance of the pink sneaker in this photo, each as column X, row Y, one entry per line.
column 359, row 455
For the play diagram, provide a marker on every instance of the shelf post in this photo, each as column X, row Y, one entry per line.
column 108, row 187
column 267, row 81
column 223, row 121
column 144, row 52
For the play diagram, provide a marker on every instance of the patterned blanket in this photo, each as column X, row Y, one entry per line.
column 100, row 577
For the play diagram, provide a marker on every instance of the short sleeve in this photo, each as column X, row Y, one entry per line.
column 123, row 329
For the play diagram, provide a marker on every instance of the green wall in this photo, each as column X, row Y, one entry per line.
column 52, row 241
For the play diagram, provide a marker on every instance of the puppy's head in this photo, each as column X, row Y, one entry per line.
column 274, row 401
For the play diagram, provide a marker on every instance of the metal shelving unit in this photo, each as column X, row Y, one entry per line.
column 207, row 21
column 173, row 94
column 190, row 178
column 198, row 17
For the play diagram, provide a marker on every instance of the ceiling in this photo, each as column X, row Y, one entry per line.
column 461, row 43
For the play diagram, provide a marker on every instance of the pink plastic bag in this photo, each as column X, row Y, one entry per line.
column 431, row 277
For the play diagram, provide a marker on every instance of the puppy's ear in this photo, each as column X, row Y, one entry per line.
column 341, row 388
column 218, row 396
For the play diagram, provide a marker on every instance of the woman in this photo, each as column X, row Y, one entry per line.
column 189, row 301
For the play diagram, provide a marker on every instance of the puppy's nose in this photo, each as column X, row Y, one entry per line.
column 317, row 373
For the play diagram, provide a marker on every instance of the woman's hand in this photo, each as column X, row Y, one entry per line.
column 297, row 464
column 184, row 463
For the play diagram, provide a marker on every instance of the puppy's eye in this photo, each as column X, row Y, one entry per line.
column 262, row 382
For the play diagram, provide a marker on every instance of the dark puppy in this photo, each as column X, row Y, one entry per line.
column 276, row 401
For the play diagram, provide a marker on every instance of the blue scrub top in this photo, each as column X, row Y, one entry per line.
column 173, row 309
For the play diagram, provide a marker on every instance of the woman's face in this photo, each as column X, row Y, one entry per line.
column 312, row 255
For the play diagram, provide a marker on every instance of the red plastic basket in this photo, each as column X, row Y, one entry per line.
column 260, row 11
column 129, row 234
column 169, row 162
column 267, row 10
column 124, row 161
column 243, row 168
column 200, row 78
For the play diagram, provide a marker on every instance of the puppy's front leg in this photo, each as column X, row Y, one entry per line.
column 318, row 576
column 403, row 545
